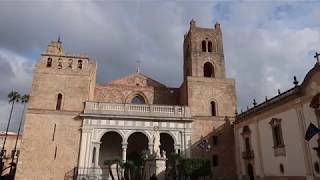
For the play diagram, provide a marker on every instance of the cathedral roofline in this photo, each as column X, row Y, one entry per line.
column 133, row 76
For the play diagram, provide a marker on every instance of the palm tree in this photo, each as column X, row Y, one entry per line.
column 14, row 97
column 24, row 101
column 109, row 164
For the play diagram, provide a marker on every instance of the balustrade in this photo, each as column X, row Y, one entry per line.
column 145, row 109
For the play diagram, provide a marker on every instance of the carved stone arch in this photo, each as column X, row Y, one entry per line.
column 140, row 131
column 104, row 131
column 135, row 93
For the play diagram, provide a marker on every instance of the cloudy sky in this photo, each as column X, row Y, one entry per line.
column 266, row 43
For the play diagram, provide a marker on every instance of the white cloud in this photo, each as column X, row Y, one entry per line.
column 18, row 77
column 265, row 43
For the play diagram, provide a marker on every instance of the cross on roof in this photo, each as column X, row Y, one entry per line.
column 59, row 39
column 138, row 66
column 317, row 56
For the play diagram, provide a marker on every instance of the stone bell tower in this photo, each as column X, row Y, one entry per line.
column 201, row 46
column 61, row 84
column 209, row 94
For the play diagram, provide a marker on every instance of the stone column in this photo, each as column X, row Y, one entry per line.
column 176, row 148
column 150, row 148
column 96, row 160
column 124, row 152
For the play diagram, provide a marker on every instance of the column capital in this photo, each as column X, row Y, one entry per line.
column 124, row 145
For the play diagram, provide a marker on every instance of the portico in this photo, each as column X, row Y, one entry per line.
column 112, row 130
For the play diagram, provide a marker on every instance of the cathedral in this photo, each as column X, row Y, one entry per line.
column 74, row 123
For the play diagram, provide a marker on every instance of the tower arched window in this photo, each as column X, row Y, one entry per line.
column 204, row 46
column 79, row 64
column 209, row 46
column 49, row 62
column 70, row 63
column 213, row 108
column 59, row 102
column 138, row 99
column 60, row 63
column 208, row 70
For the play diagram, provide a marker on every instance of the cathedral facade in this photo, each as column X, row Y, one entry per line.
column 73, row 122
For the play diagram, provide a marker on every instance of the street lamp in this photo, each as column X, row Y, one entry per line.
column 204, row 145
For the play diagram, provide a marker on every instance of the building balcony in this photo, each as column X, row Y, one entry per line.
column 248, row 154
column 147, row 110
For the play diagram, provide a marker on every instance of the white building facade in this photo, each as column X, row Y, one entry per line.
column 270, row 137
column 101, row 120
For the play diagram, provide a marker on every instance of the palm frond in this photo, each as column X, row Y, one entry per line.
column 14, row 96
column 25, row 98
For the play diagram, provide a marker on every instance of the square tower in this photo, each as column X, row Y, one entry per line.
column 210, row 95
column 51, row 137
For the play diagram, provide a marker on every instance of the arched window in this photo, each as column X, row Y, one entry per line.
column 213, row 108
column 60, row 63
column 209, row 46
column 138, row 99
column 79, row 64
column 277, row 132
column 70, row 63
column 49, row 62
column 204, row 46
column 208, row 70
column 281, row 168
column 59, row 102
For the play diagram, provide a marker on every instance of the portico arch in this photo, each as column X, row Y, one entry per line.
column 138, row 143
column 141, row 131
column 167, row 142
column 104, row 131
column 110, row 147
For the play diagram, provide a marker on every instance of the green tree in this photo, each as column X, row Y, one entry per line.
column 14, row 97
column 24, row 100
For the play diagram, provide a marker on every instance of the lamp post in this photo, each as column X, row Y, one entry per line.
column 204, row 145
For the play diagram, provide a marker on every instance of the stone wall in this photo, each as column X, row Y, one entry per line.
column 124, row 89
column 50, row 146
